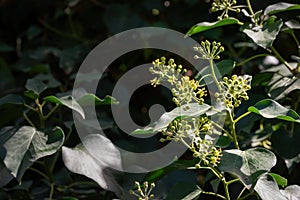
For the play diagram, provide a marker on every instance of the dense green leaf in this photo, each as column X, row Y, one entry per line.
column 248, row 164
column 33, row 31
column 270, row 109
column 204, row 26
column 194, row 110
column 24, row 145
column 280, row 7
column 35, row 87
column 67, row 101
column 11, row 99
column 184, row 190
column 279, row 179
column 263, row 35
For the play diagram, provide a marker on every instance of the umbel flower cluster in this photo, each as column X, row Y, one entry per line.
column 225, row 6
column 233, row 90
column 184, row 90
column 209, row 51
column 143, row 192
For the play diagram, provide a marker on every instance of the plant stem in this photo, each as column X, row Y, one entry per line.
column 241, row 116
column 290, row 68
column 39, row 172
column 226, row 190
column 28, row 120
column 30, row 107
column 241, row 193
column 51, row 191
column 51, row 112
column 233, row 130
column 40, row 112
column 250, row 7
column 215, row 194
column 251, row 58
column 211, row 64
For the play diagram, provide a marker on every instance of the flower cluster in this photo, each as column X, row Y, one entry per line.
column 144, row 194
column 184, row 90
column 234, row 90
column 189, row 127
column 225, row 6
column 209, row 51
column 206, row 152
column 166, row 71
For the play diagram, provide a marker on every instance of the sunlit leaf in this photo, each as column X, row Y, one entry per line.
column 248, row 164
column 24, row 145
column 204, row 26
column 270, row 109
column 280, row 7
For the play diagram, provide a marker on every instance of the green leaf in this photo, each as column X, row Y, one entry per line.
column 89, row 98
column 12, row 99
column 280, row 7
column 184, row 191
column 248, row 164
column 263, row 35
column 279, row 179
column 194, row 110
column 24, row 145
column 204, row 26
column 35, row 87
column 33, row 31
column 67, row 101
column 270, row 109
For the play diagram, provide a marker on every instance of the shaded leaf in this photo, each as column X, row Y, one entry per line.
column 22, row 146
column 5, row 175
column 248, row 164
column 177, row 165
column 67, row 101
column 204, row 26
column 184, row 191
column 270, row 109
column 5, row 47
column 12, row 99
column 263, row 35
column 280, row 7
column 35, row 87
column 194, row 110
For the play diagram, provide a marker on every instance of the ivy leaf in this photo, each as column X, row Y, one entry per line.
column 67, row 101
column 20, row 147
column 194, row 110
column 5, row 175
column 12, row 99
column 248, row 165
column 35, row 87
column 263, row 35
column 177, row 165
column 204, row 26
column 279, row 179
column 79, row 160
column 267, row 189
column 270, row 109
column 89, row 98
column 184, row 191
column 280, row 7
